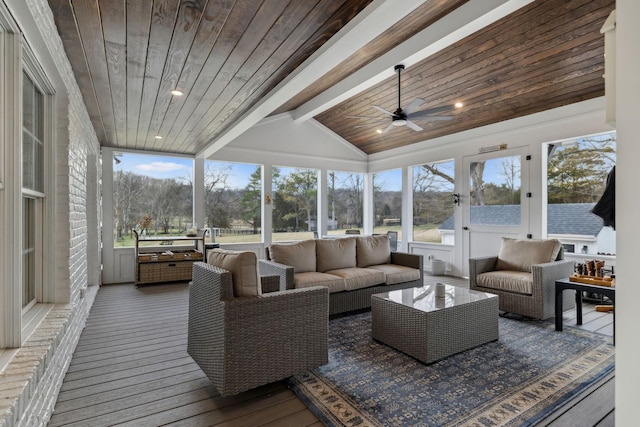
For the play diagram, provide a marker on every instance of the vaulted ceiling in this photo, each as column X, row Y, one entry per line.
column 239, row 61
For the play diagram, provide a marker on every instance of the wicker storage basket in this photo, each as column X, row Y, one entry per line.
column 164, row 271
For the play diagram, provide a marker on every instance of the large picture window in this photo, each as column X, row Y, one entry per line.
column 344, row 196
column 233, row 195
column 387, row 202
column 295, row 211
column 153, row 194
column 433, row 207
column 577, row 175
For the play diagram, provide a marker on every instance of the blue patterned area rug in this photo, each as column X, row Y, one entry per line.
column 518, row 380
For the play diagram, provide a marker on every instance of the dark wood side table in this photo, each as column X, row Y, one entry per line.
column 564, row 284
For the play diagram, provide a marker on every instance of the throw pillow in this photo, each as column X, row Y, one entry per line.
column 521, row 254
column 243, row 268
column 299, row 255
column 373, row 250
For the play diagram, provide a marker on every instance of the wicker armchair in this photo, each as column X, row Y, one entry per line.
column 244, row 342
column 529, row 291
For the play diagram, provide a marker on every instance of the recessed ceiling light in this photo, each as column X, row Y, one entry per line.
column 158, row 137
column 177, row 92
column 459, row 105
column 379, row 130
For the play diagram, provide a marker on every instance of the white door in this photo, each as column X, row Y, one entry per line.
column 494, row 201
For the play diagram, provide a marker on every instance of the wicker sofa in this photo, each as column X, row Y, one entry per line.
column 352, row 268
column 243, row 337
column 523, row 275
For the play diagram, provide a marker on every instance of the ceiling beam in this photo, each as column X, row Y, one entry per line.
column 450, row 29
column 366, row 26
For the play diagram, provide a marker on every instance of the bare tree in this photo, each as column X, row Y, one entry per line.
column 128, row 189
column 354, row 186
column 476, row 172
column 216, row 188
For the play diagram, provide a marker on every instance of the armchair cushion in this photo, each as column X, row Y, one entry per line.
column 373, row 250
column 505, row 280
column 334, row 254
column 520, row 254
column 299, row 255
column 243, row 268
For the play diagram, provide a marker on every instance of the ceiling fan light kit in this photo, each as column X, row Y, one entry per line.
column 404, row 117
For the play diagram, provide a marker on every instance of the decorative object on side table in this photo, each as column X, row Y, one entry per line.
column 440, row 290
column 192, row 230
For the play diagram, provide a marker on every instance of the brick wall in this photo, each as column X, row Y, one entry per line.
column 30, row 382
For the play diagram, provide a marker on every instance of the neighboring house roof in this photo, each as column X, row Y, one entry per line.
column 573, row 218
column 565, row 218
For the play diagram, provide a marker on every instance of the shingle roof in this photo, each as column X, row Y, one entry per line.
column 566, row 218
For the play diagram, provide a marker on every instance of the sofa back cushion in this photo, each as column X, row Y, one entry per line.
column 333, row 254
column 521, row 254
column 243, row 268
column 373, row 250
column 299, row 255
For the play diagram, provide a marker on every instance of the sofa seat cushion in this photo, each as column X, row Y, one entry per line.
column 312, row 278
column 397, row 273
column 358, row 278
column 243, row 268
column 521, row 254
column 334, row 254
column 518, row 282
column 372, row 250
column 299, row 255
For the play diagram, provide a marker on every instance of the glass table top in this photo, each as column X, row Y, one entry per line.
column 425, row 299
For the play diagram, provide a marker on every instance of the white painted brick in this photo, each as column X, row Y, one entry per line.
column 31, row 381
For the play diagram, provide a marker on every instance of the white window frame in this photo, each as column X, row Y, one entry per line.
column 11, row 177
column 16, row 57
column 45, row 216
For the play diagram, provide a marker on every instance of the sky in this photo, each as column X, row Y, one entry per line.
column 154, row 166
column 177, row 167
column 182, row 168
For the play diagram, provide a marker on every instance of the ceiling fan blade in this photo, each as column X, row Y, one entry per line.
column 414, row 105
column 413, row 126
column 388, row 128
column 383, row 110
column 429, row 111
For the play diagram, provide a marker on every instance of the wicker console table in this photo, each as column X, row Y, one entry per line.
column 157, row 266
column 415, row 322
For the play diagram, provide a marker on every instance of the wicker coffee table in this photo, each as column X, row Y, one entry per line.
column 415, row 322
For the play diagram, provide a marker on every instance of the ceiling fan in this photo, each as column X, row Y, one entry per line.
column 405, row 117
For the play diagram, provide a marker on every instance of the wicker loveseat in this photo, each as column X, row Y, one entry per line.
column 352, row 268
column 523, row 275
column 242, row 342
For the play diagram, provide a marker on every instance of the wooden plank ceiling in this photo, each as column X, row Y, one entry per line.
column 228, row 56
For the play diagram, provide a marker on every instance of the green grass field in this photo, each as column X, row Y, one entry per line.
column 423, row 233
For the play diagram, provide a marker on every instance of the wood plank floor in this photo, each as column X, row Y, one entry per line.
column 131, row 369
